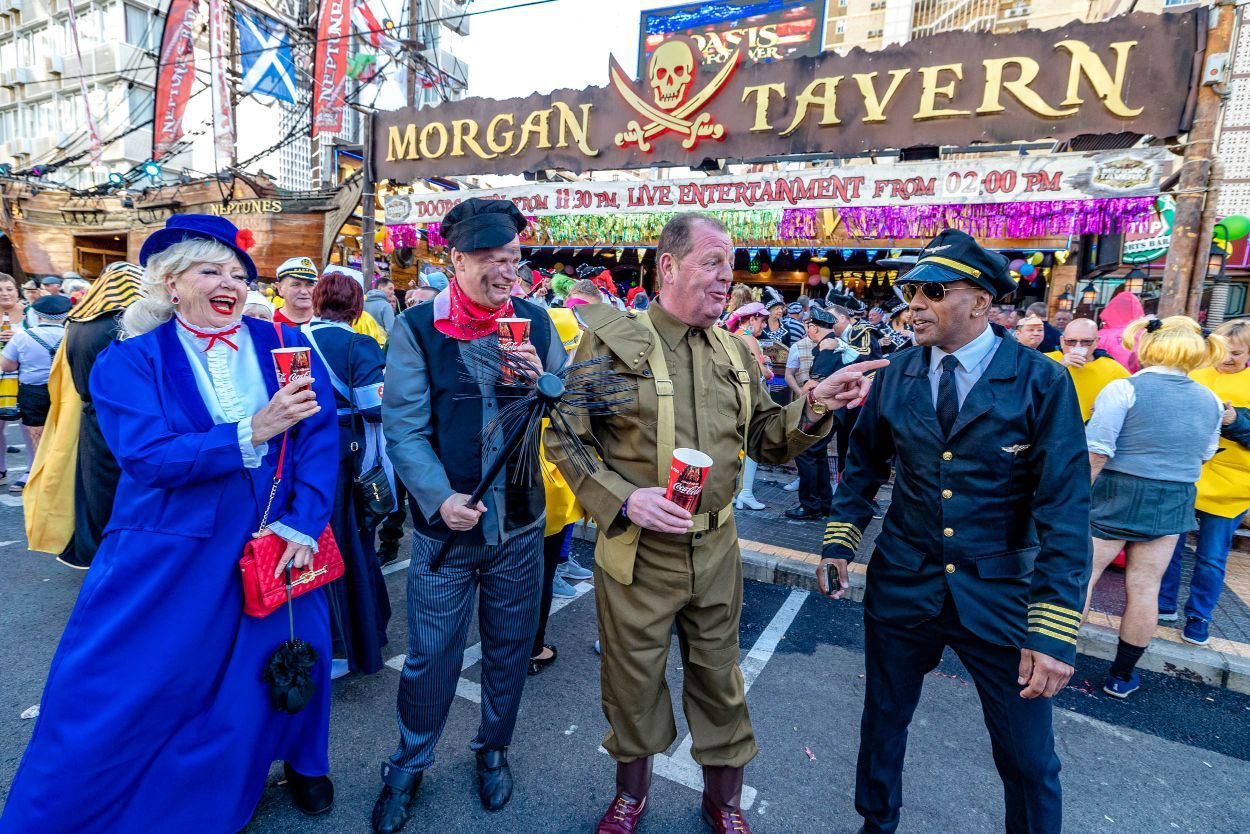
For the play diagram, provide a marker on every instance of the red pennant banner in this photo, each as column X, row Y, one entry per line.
column 175, row 75
column 330, row 66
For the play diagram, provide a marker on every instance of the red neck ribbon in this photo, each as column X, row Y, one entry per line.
column 213, row 338
column 468, row 320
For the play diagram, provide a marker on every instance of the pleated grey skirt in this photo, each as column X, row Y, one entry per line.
column 1138, row 509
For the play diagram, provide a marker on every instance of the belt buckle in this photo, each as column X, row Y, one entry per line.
column 713, row 521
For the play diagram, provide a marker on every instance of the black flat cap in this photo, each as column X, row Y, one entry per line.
column 850, row 302
column 956, row 256
column 52, row 305
column 820, row 316
column 482, row 224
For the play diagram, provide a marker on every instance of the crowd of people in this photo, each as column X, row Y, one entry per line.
column 178, row 441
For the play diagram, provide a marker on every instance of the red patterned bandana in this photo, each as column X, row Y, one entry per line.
column 467, row 320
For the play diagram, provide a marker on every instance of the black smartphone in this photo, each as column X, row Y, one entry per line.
column 832, row 583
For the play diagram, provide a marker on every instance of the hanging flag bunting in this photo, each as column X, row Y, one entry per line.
column 374, row 32
column 175, row 75
column 773, row 253
column 93, row 130
column 330, row 66
column 265, row 56
column 223, row 107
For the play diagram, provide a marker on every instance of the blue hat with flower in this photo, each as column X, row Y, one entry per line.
column 183, row 227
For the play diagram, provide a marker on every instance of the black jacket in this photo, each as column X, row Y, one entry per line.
column 997, row 515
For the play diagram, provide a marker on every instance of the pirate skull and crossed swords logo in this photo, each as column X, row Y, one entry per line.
column 670, row 75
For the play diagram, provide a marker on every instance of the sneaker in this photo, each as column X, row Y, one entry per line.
column 1118, row 687
column 560, row 588
column 1168, row 617
column 572, row 570
column 17, row 486
column 1197, row 631
column 793, row 486
column 877, row 512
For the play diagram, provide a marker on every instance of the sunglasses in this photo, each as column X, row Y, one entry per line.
column 932, row 290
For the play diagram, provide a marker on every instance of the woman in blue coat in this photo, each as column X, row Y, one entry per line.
column 155, row 712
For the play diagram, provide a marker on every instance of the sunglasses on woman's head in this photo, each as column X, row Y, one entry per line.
column 932, row 290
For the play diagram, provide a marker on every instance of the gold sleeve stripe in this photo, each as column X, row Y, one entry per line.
column 1046, row 620
column 848, row 531
column 839, row 539
column 1056, row 635
column 1064, row 612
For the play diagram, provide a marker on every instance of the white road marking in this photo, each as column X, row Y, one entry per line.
column 11, row 500
column 6, row 544
column 1094, row 722
column 681, row 766
column 471, row 690
column 395, row 567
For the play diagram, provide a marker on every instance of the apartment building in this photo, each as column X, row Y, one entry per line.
column 873, row 24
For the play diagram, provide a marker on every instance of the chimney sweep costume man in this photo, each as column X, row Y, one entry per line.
column 657, row 565
column 986, row 546
column 433, row 420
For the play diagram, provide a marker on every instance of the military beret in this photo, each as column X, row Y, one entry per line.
column 481, row 224
column 52, row 306
column 956, row 256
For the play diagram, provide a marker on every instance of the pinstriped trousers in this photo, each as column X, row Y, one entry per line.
column 439, row 607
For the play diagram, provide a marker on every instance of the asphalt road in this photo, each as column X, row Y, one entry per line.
column 1172, row 759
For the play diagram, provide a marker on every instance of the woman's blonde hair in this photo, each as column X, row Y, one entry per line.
column 1174, row 342
column 155, row 307
column 741, row 294
column 1235, row 331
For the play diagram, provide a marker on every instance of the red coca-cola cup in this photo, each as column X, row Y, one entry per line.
column 686, row 477
column 292, row 364
column 512, row 334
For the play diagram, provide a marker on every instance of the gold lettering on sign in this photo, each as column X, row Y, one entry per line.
column 995, row 85
column 539, row 124
column 429, row 130
column 822, row 93
column 570, row 125
column 1110, row 90
column 401, row 145
column 763, row 95
column 875, row 107
column 492, row 136
column 929, row 91
column 464, row 132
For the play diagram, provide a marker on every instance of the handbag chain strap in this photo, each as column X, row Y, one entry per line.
column 277, row 475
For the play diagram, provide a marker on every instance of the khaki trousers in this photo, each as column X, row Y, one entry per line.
column 695, row 582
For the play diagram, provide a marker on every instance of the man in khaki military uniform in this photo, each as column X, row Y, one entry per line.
column 655, row 563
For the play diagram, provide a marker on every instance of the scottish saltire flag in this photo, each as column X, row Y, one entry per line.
column 265, row 49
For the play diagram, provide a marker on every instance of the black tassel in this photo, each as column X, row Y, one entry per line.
column 289, row 675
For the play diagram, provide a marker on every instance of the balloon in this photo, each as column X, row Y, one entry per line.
column 1061, row 258
column 568, row 270
column 1027, row 269
column 1036, row 258
column 1235, row 227
column 387, row 246
column 813, row 269
column 378, row 237
column 813, row 280
column 825, row 272
column 1015, row 265
column 559, row 267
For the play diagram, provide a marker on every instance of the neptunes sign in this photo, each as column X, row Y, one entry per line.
column 1127, row 74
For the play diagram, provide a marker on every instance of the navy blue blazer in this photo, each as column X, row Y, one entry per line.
column 997, row 515
column 179, row 470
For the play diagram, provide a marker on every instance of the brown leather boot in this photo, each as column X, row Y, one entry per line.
column 633, row 782
column 722, row 800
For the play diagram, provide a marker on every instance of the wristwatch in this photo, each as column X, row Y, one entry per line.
column 817, row 406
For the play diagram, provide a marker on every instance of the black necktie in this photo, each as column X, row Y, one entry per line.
column 947, row 399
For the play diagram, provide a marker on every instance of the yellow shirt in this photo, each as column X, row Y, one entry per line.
column 1224, row 487
column 1091, row 378
column 367, row 325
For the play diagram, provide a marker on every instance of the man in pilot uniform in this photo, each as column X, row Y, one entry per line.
column 985, row 547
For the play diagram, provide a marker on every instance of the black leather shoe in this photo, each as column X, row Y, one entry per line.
column 312, row 794
column 494, row 779
column 803, row 514
column 390, row 812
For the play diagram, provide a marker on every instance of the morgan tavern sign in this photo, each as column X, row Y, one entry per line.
column 1131, row 73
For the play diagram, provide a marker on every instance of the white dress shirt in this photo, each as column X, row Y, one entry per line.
column 973, row 357
column 233, row 390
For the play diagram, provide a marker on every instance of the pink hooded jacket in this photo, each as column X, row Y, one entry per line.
column 1124, row 309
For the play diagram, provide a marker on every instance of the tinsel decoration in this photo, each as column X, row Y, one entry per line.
column 743, row 226
column 405, row 234
column 797, row 224
column 1003, row 220
column 583, row 389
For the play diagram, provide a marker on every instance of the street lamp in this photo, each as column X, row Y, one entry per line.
column 1089, row 295
column 1135, row 281
column 1065, row 298
column 1217, row 309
